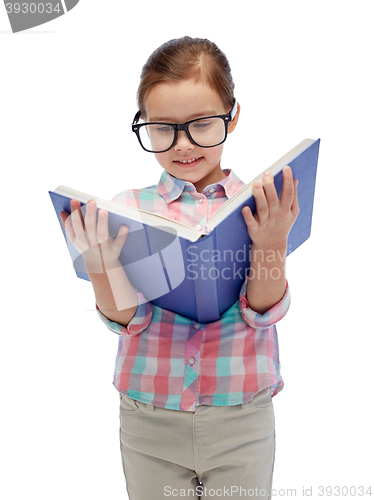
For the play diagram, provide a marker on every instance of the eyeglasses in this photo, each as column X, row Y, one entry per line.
column 206, row 132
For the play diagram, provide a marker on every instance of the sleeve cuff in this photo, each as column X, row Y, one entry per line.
column 270, row 317
column 138, row 323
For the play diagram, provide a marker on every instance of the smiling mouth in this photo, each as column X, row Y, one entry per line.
column 188, row 162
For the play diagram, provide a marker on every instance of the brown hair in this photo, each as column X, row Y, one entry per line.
column 186, row 58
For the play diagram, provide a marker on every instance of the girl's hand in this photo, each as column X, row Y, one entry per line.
column 269, row 227
column 100, row 252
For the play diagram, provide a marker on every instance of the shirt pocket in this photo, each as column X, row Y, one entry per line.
column 128, row 404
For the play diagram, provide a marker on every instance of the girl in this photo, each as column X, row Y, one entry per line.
column 196, row 410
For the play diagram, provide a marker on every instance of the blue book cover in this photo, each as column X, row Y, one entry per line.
column 176, row 267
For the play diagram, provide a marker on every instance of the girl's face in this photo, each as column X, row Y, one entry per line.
column 178, row 103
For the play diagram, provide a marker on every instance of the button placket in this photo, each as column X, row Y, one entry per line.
column 195, row 342
column 192, row 365
column 193, row 346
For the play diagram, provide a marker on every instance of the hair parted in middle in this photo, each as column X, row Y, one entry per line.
column 188, row 58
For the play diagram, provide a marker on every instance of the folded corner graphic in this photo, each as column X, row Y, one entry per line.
column 27, row 14
column 152, row 259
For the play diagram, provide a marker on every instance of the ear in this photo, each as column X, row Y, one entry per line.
column 234, row 121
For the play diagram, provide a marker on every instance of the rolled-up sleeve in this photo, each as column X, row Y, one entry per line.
column 270, row 317
column 138, row 323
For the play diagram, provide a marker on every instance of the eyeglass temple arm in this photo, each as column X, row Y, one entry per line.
column 234, row 110
column 136, row 118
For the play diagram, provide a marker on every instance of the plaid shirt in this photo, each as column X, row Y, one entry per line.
column 168, row 360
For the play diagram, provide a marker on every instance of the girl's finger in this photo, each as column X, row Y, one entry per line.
column 102, row 226
column 69, row 228
column 77, row 221
column 120, row 239
column 262, row 206
column 64, row 215
column 287, row 189
column 270, row 192
column 249, row 219
column 91, row 222
column 295, row 203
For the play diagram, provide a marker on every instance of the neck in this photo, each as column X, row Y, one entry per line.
column 214, row 177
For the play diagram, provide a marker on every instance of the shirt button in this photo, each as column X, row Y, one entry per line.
column 196, row 326
column 198, row 227
column 191, row 361
column 201, row 201
column 211, row 190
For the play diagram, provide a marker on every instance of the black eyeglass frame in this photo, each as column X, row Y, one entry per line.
column 178, row 127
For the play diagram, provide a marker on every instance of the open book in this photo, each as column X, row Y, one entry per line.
column 197, row 274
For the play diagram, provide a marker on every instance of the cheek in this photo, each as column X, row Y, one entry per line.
column 214, row 154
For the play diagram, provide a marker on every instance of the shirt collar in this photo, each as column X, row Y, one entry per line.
column 170, row 188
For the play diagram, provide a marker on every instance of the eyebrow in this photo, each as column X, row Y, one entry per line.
column 192, row 117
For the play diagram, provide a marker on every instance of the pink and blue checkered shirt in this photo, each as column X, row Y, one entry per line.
column 171, row 361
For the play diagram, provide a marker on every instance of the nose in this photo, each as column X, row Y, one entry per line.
column 183, row 143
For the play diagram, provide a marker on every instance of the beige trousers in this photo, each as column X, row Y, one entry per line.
column 213, row 452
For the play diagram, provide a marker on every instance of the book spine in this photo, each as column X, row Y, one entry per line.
column 205, row 281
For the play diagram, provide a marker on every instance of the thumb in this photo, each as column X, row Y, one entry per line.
column 295, row 202
column 123, row 230
column 121, row 238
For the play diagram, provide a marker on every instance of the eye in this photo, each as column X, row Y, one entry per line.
column 201, row 125
column 164, row 129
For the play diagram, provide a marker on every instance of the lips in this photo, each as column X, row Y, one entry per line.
column 188, row 162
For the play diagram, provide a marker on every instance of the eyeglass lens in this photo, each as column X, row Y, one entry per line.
column 205, row 132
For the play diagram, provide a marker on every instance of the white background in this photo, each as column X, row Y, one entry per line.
column 67, row 99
